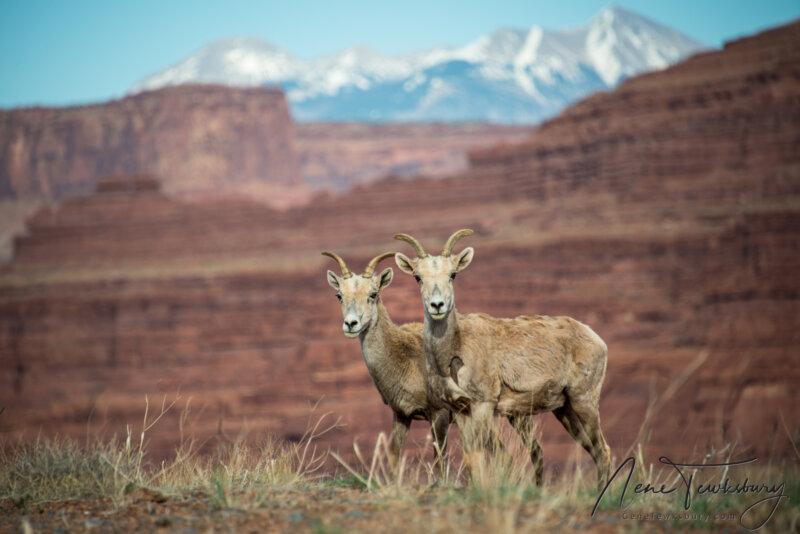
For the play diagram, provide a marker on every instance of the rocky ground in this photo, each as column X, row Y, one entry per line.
column 323, row 509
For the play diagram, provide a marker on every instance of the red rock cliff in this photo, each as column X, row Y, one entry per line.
column 197, row 138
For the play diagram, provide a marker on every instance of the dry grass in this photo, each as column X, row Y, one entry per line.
column 47, row 470
column 287, row 481
column 62, row 469
column 434, row 498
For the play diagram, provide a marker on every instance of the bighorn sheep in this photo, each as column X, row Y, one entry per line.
column 482, row 365
column 393, row 353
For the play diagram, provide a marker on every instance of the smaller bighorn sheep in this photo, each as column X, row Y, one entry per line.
column 393, row 353
column 482, row 365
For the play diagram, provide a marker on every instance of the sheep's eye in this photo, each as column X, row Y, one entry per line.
column 453, row 276
column 339, row 296
column 417, row 278
column 373, row 296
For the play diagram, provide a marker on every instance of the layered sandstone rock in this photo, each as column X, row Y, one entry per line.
column 207, row 141
column 665, row 214
column 340, row 155
column 200, row 139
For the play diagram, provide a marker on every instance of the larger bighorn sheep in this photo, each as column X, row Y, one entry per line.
column 483, row 365
column 393, row 353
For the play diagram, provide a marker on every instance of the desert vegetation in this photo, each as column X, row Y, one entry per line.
column 270, row 484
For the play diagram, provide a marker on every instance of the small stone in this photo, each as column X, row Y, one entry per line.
column 93, row 522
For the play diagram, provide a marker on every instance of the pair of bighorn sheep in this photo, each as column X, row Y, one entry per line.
column 473, row 366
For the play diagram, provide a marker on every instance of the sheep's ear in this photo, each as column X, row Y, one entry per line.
column 333, row 280
column 465, row 258
column 404, row 263
column 386, row 277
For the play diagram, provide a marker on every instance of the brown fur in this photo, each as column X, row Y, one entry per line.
column 394, row 358
column 511, row 367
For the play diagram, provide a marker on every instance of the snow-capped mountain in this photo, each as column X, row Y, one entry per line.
column 510, row 75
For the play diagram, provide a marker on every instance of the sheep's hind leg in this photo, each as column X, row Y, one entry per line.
column 582, row 421
column 525, row 427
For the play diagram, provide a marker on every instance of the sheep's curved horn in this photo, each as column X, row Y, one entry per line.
column 369, row 270
column 451, row 241
column 342, row 265
column 413, row 242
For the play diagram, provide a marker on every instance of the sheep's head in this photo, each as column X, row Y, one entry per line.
column 435, row 274
column 358, row 294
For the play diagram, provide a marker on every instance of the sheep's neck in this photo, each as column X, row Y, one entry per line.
column 385, row 348
column 441, row 340
column 378, row 343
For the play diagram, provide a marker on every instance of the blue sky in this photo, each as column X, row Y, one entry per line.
column 61, row 52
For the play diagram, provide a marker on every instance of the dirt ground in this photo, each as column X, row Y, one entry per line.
column 322, row 510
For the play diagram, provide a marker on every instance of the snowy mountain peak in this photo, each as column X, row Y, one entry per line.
column 500, row 46
column 620, row 43
column 234, row 61
column 508, row 75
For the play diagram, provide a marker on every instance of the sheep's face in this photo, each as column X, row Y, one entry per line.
column 359, row 296
column 436, row 276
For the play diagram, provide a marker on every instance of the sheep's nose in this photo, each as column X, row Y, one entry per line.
column 351, row 324
column 437, row 305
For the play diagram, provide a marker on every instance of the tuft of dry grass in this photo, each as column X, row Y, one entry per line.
column 236, row 475
column 58, row 469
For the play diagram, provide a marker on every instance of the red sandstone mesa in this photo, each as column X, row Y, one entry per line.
column 207, row 140
column 666, row 214
column 199, row 138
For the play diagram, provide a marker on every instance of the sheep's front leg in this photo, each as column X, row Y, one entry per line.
column 440, row 423
column 525, row 427
column 400, row 426
column 476, row 428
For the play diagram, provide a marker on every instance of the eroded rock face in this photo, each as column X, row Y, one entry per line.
column 198, row 138
column 665, row 214
column 338, row 156
column 210, row 141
